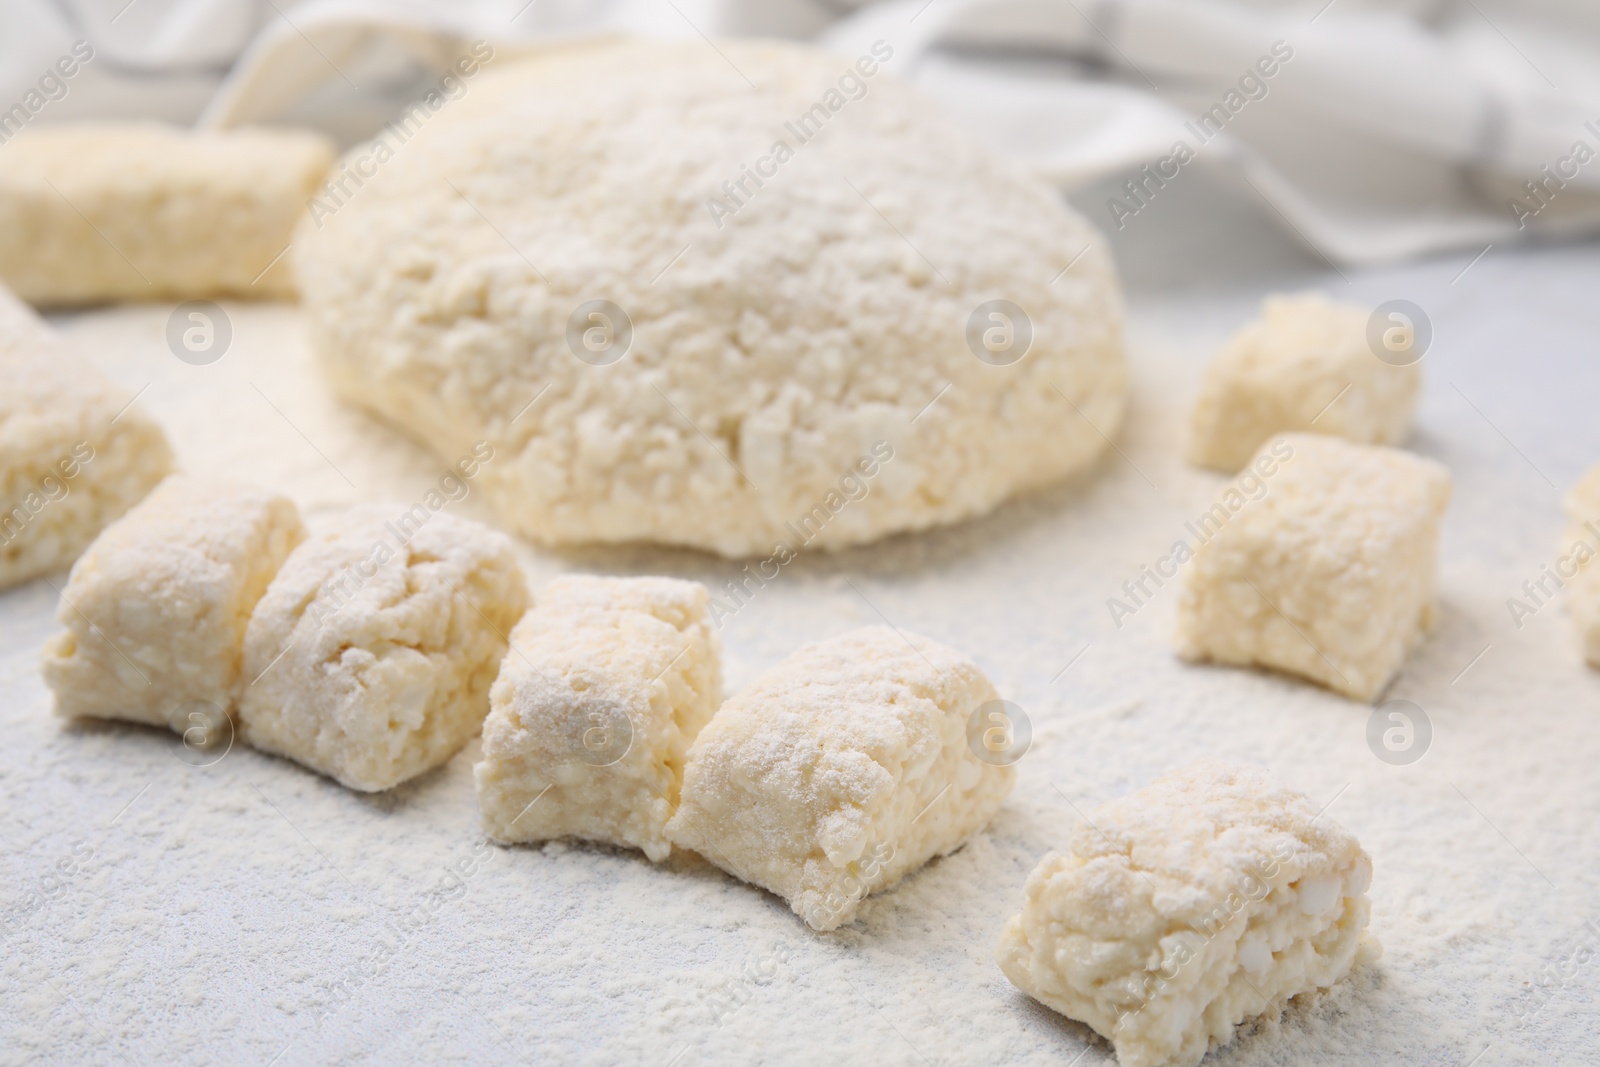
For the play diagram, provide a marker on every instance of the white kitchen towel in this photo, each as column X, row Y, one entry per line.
column 1373, row 129
column 1384, row 129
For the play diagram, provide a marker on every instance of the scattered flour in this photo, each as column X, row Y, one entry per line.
column 270, row 884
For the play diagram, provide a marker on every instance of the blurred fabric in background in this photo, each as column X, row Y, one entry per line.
column 1372, row 130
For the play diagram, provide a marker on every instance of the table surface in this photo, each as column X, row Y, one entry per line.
column 161, row 912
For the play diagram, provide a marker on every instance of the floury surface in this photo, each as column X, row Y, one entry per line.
column 248, row 909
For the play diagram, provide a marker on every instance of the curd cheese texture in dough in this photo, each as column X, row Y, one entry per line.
column 73, row 454
column 156, row 609
column 1209, row 897
column 714, row 351
column 99, row 211
column 370, row 657
column 607, row 683
column 840, row 770
column 1583, row 546
column 1326, row 570
column 1306, row 364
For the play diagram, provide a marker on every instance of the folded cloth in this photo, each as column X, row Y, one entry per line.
column 1383, row 130
column 1374, row 129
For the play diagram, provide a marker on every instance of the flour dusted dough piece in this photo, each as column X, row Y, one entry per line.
column 840, row 770
column 73, row 454
column 141, row 211
column 1330, row 574
column 1175, row 910
column 371, row 655
column 607, row 682
column 1304, row 365
column 1583, row 592
column 156, row 609
column 771, row 347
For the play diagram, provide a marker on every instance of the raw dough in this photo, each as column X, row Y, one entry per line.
column 101, row 211
column 73, row 454
column 1306, row 364
column 607, row 682
column 771, row 347
column 371, row 655
column 156, row 608
column 1211, row 896
column 1325, row 568
column 840, row 770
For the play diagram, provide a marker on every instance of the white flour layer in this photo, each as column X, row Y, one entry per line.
column 162, row 912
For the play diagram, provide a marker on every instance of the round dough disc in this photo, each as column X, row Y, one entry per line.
column 804, row 359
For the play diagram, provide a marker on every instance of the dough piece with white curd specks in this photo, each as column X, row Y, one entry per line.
column 607, row 683
column 1306, row 364
column 840, row 770
column 156, row 609
column 370, row 657
column 91, row 212
column 719, row 330
column 75, row 453
column 1329, row 574
column 1211, row 896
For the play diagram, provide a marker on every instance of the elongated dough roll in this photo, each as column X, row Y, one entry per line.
column 94, row 212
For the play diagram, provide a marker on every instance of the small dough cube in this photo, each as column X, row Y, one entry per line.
column 91, row 212
column 73, row 454
column 156, row 609
column 1304, row 365
column 1329, row 574
column 840, row 770
column 371, row 655
column 1583, row 547
column 607, row 683
column 1209, row 897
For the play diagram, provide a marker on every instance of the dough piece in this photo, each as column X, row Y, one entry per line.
column 73, row 454
column 778, row 334
column 156, row 609
column 371, row 656
column 1211, row 896
column 840, row 770
column 1304, row 365
column 1329, row 574
column 141, row 211
column 607, row 682
column 1583, row 596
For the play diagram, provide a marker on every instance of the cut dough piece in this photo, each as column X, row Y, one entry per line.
column 141, row 211
column 1177, row 909
column 73, row 454
column 371, row 655
column 607, row 683
column 707, row 397
column 1583, row 544
column 1306, row 364
column 840, row 770
column 1329, row 575
column 156, row 609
